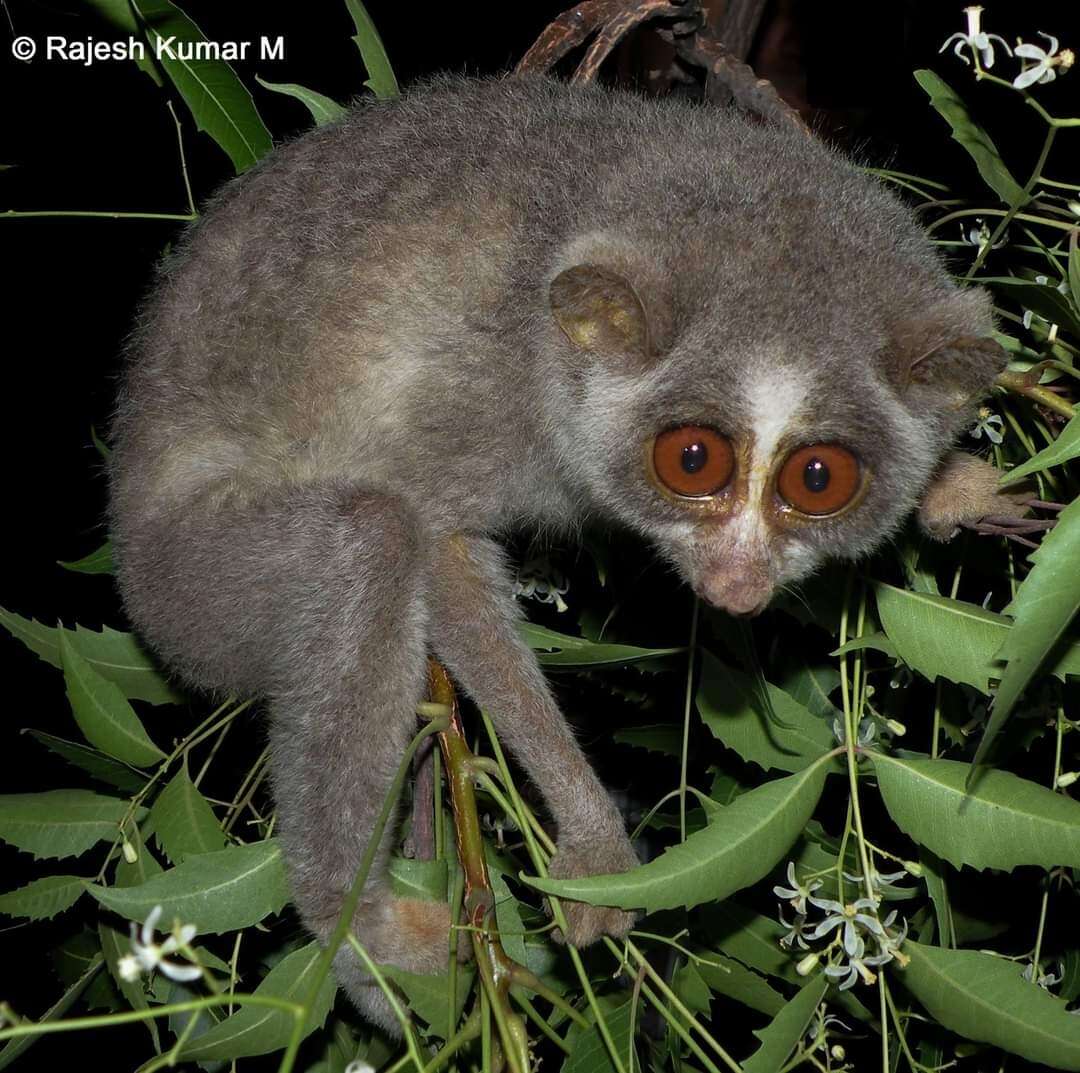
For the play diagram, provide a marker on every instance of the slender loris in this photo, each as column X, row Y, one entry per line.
column 500, row 303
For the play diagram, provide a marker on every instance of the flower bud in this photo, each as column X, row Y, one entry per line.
column 808, row 964
column 913, row 867
column 1067, row 778
column 131, row 854
column 897, row 728
column 838, row 1052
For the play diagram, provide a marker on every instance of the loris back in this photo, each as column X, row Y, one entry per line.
column 494, row 303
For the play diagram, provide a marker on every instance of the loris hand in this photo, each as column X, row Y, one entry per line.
column 586, row 923
column 965, row 491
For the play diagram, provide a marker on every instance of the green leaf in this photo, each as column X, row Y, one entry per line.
column 663, row 738
column 728, row 702
column 43, row 898
column 14, row 1048
column 427, row 993
column 323, row 110
column 987, row 999
column 1041, row 298
column 934, row 874
column 560, row 650
column 1003, row 822
column 811, row 687
column 418, row 879
column 114, row 946
column 97, row 562
column 1064, row 449
column 61, row 823
column 380, row 80
column 102, row 712
column 1044, row 605
column 589, row 1053
column 184, row 823
column 781, row 1036
column 975, row 141
column 1074, row 267
column 144, row 867
column 255, row 1030
column 91, row 761
column 738, row 848
column 223, row 891
column 508, row 919
column 219, row 102
column 727, row 977
column 118, row 13
column 116, row 656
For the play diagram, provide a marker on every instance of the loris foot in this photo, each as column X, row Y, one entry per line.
column 965, row 491
column 586, row 923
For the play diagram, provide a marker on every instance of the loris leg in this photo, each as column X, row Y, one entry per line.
column 474, row 631
column 312, row 598
column 964, row 491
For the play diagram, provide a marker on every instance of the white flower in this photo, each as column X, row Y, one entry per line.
column 858, row 964
column 850, row 917
column 796, row 930
column 358, row 1065
column 1046, row 59
column 797, row 892
column 540, row 580
column 147, row 955
column 986, row 422
column 975, row 39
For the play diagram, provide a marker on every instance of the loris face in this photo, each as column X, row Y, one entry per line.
column 748, row 461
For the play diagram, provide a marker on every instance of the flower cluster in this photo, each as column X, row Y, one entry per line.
column 853, row 925
column 539, row 579
column 146, row 955
column 1039, row 65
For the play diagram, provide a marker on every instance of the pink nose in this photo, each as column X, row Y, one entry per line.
column 738, row 595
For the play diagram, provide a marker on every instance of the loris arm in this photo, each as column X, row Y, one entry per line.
column 965, row 491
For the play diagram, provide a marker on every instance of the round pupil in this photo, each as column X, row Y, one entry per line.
column 816, row 476
column 694, row 457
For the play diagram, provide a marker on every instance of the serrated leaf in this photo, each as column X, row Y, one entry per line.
column 987, row 999
column 114, row 946
column 780, row 1037
column 91, row 761
column 323, row 110
column 1064, row 449
column 663, row 738
column 255, row 1030
column 1003, row 822
column 102, row 712
column 589, row 1053
column 728, row 702
column 739, row 847
column 14, row 1048
column 728, row 977
column 560, row 650
column 144, row 867
column 427, row 994
column 975, row 141
column 380, row 80
column 114, row 655
column 811, row 687
column 508, row 919
column 223, row 891
column 43, row 898
column 97, row 562
column 61, row 823
column 184, row 823
column 1047, row 301
column 218, row 101
column 1044, row 605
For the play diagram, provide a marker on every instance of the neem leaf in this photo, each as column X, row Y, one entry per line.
column 91, row 761
column 61, row 823
column 728, row 702
column 986, row 998
column 976, row 142
column 728, row 977
column 740, row 846
column 380, row 80
column 114, row 655
column 780, row 1037
column 427, row 994
column 1044, row 605
column 219, row 102
column 97, row 562
column 588, row 1051
column 1043, row 299
column 560, row 650
column 1003, row 822
column 43, row 898
column 223, row 891
column 257, row 1030
column 323, row 110
column 102, row 712
column 184, row 823
column 1064, row 449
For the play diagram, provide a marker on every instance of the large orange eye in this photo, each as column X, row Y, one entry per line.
column 693, row 460
column 820, row 479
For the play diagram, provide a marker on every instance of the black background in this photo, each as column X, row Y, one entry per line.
column 100, row 138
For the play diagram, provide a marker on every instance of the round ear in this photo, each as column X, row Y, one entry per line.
column 599, row 310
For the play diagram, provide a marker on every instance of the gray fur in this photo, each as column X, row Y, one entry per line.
column 349, row 380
